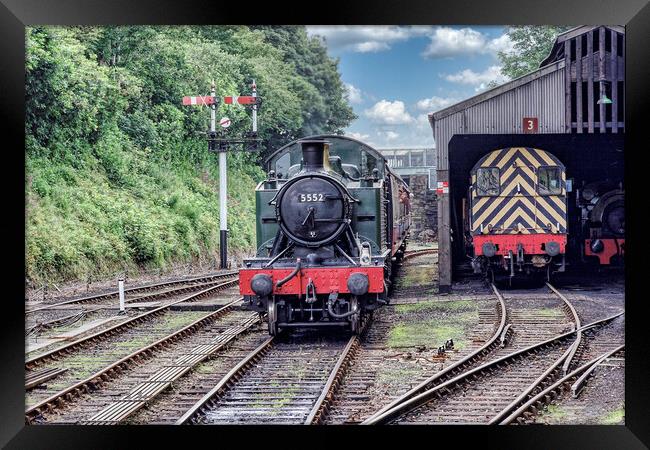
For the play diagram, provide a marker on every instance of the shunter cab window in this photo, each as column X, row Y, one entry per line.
column 487, row 181
column 549, row 181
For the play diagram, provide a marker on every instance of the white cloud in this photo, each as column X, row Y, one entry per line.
column 371, row 47
column 502, row 44
column 478, row 79
column 435, row 103
column 389, row 135
column 389, row 113
column 422, row 121
column 449, row 42
column 444, row 41
column 359, row 136
column 364, row 39
column 354, row 93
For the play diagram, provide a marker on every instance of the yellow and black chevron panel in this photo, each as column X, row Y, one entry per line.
column 518, row 190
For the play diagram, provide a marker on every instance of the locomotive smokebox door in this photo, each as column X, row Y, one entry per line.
column 313, row 208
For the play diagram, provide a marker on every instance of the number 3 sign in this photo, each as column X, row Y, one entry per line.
column 531, row 125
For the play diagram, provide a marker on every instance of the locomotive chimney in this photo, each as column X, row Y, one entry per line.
column 315, row 155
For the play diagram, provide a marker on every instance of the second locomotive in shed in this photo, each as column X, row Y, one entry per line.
column 517, row 212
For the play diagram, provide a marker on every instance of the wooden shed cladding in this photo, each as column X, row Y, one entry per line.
column 586, row 64
column 501, row 110
column 596, row 62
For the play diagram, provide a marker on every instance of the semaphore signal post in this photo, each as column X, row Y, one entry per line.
column 219, row 141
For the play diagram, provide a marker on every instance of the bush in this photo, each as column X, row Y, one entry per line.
column 118, row 174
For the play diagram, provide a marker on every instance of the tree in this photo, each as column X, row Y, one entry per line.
column 324, row 106
column 532, row 43
column 118, row 171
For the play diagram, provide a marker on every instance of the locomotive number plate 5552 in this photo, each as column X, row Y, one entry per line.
column 312, row 197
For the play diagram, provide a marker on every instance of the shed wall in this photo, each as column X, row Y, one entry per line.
column 542, row 97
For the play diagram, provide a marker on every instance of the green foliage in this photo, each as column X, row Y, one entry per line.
column 118, row 174
column 532, row 43
column 318, row 84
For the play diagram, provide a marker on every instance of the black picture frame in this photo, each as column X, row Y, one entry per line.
column 16, row 14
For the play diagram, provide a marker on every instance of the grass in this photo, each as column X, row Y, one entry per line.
column 433, row 307
column 416, row 276
column 96, row 216
column 616, row 417
column 432, row 323
column 549, row 312
column 401, row 375
column 555, row 412
column 205, row 368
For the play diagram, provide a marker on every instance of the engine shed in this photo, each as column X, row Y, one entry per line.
column 572, row 106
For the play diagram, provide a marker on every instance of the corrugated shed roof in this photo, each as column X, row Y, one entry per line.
column 495, row 92
column 547, row 66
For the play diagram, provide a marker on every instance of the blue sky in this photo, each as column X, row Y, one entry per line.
column 396, row 75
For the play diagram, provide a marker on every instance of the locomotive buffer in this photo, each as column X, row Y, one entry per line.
column 219, row 142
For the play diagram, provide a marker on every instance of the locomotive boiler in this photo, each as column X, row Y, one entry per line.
column 332, row 221
column 602, row 209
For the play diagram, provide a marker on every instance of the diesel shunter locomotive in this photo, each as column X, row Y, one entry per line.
column 517, row 213
column 332, row 220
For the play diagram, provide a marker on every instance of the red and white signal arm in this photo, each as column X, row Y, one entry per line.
column 443, row 187
column 198, row 100
column 530, row 125
column 239, row 99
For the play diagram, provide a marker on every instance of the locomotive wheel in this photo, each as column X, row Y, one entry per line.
column 355, row 319
column 272, row 317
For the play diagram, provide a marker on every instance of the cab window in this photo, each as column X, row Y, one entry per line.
column 549, row 181
column 487, row 181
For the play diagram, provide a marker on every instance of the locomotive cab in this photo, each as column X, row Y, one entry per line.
column 517, row 213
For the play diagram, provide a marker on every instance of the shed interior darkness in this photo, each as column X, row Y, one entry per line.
column 587, row 157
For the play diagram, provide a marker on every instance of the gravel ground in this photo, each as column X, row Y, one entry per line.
column 600, row 403
column 78, row 288
column 603, row 399
column 401, row 347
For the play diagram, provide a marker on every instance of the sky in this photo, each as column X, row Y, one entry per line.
column 395, row 76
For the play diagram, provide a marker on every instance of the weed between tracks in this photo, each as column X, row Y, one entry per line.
column 616, row 417
column 430, row 324
column 549, row 312
column 555, row 412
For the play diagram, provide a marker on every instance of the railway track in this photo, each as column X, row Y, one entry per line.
column 129, row 323
column 94, row 356
column 515, row 324
column 594, row 349
column 363, row 391
column 166, row 360
column 44, row 325
column 147, row 288
column 415, row 253
column 574, row 381
column 470, row 393
column 124, row 396
column 288, row 379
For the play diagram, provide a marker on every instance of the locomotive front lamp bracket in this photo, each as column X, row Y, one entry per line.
column 365, row 258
